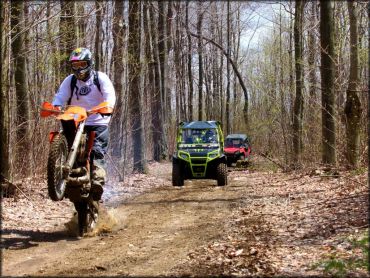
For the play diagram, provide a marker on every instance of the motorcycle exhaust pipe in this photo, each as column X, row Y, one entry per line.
column 78, row 172
column 78, row 181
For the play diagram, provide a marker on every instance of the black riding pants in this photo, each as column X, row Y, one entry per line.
column 100, row 145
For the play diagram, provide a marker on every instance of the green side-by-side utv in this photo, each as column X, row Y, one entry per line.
column 199, row 153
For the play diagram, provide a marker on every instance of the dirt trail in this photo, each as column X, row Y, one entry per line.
column 261, row 223
column 155, row 231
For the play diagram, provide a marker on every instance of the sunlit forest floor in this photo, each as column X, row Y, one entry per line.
column 264, row 222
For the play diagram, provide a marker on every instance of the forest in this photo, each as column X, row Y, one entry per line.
column 292, row 75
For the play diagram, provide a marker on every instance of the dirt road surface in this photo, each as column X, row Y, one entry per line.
column 244, row 228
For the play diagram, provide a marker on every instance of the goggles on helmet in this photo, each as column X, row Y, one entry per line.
column 77, row 65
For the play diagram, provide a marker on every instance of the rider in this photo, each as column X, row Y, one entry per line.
column 209, row 136
column 88, row 88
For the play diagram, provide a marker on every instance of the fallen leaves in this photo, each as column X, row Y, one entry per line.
column 286, row 224
column 282, row 224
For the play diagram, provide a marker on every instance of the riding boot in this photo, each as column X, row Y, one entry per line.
column 98, row 180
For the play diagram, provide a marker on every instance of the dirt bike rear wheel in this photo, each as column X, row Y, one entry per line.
column 57, row 157
column 87, row 216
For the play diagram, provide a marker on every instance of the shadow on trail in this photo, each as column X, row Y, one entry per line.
column 183, row 200
column 21, row 239
column 206, row 200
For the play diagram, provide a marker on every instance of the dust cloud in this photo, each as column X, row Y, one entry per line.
column 107, row 222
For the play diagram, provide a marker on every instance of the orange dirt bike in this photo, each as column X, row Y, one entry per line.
column 68, row 169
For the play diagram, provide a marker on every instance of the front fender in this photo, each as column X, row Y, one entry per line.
column 220, row 159
column 52, row 135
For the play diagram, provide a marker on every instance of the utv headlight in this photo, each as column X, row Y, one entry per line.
column 213, row 155
column 184, row 156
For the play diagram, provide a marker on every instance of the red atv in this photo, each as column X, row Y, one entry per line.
column 237, row 148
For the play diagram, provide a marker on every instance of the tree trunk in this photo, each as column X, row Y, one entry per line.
column 153, row 80
column 291, row 71
column 368, row 122
column 169, row 26
column 327, row 82
column 81, row 25
column 4, row 101
column 215, row 66
column 119, row 117
column 179, row 68
column 161, row 122
column 282, row 90
column 228, row 114
column 22, row 98
column 99, row 31
column 156, row 108
column 55, row 64
column 312, row 80
column 236, row 50
column 189, row 58
column 298, row 102
column 67, row 33
column 135, row 101
column 200, row 62
column 352, row 108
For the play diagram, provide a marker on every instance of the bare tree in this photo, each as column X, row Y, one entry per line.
column 352, row 108
column 119, row 118
column 311, row 60
column 200, row 62
column 236, row 71
column 298, row 102
column 67, row 32
column 190, row 72
column 81, row 25
column 99, row 31
column 135, row 101
column 4, row 102
column 21, row 89
column 228, row 114
column 327, row 82
column 160, row 124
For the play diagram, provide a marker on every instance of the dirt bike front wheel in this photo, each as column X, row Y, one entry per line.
column 57, row 157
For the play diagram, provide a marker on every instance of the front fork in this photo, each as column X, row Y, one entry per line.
column 77, row 169
column 66, row 168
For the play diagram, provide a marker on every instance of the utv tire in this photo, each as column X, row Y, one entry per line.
column 221, row 174
column 177, row 175
column 57, row 157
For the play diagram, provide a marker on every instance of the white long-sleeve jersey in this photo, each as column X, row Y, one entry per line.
column 87, row 96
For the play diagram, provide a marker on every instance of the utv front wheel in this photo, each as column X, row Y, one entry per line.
column 177, row 175
column 57, row 157
column 221, row 174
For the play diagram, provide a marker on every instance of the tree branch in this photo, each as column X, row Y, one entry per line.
column 229, row 59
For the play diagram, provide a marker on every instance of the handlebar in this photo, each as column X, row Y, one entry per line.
column 48, row 109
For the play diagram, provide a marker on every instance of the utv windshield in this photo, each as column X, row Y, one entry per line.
column 199, row 136
column 233, row 143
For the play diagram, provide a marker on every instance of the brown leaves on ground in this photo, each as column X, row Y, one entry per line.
column 284, row 223
column 287, row 224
